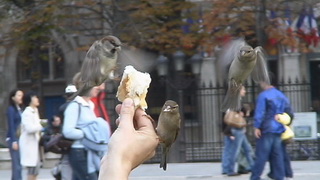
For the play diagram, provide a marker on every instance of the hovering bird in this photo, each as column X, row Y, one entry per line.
column 168, row 128
column 99, row 62
column 245, row 61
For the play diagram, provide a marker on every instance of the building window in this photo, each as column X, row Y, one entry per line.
column 45, row 61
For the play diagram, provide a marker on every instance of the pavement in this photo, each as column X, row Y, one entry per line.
column 303, row 170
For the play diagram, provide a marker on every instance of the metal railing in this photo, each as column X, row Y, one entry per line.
column 203, row 118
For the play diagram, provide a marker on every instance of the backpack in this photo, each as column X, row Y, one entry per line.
column 58, row 143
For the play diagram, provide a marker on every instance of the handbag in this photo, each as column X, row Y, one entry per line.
column 234, row 119
column 58, row 144
column 287, row 134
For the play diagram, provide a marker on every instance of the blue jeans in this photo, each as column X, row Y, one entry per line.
column 15, row 163
column 287, row 163
column 66, row 170
column 239, row 134
column 246, row 153
column 79, row 164
column 225, row 154
column 269, row 145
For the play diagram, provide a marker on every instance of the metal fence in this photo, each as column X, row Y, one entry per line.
column 202, row 120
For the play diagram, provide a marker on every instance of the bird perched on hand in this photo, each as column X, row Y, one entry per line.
column 245, row 61
column 99, row 62
column 168, row 128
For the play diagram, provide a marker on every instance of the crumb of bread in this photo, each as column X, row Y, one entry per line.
column 134, row 85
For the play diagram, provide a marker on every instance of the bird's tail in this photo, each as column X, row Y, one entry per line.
column 232, row 99
column 163, row 162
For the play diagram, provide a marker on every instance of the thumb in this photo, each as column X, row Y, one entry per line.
column 126, row 114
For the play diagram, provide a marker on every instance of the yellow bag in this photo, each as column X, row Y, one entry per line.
column 285, row 119
column 287, row 134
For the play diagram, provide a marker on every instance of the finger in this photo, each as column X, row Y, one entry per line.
column 126, row 114
column 118, row 108
column 118, row 121
column 142, row 119
column 258, row 135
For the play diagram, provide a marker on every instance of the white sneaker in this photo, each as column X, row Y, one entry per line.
column 289, row 178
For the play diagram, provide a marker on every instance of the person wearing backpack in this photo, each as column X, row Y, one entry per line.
column 66, row 170
column 49, row 142
column 78, row 114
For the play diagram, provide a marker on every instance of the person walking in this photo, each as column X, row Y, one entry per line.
column 30, row 136
column 14, row 121
column 235, row 139
column 268, row 131
column 66, row 170
column 286, row 120
column 84, row 162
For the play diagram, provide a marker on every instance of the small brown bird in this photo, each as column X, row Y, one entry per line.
column 168, row 128
column 99, row 62
column 246, row 61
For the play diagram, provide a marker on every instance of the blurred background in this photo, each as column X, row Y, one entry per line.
column 43, row 43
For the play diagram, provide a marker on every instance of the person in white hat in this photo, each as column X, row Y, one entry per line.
column 70, row 89
column 66, row 170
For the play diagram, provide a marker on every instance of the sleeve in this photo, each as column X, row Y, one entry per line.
column 30, row 121
column 289, row 111
column 69, row 128
column 11, row 125
column 259, row 111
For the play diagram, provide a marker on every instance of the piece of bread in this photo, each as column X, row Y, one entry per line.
column 134, row 85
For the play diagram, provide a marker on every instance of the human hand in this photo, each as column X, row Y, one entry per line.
column 15, row 146
column 257, row 133
column 232, row 137
column 133, row 142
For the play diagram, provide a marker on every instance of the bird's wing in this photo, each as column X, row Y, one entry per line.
column 228, row 54
column 232, row 99
column 140, row 59
column 260, row 71
column 176, row 135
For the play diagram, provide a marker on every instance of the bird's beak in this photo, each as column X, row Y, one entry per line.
column 116, row 49
column 167, row 109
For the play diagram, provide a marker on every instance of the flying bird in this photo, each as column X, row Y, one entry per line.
column 99, row 62
column 245, row 61
column 168, row 128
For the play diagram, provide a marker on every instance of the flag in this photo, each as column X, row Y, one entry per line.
column 314, row 33
column 290, row 39
column 186, row 26
column 307, row 27
column 273, row 31
column 288, row 18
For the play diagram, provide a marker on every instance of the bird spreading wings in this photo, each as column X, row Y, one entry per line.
column 243, row 61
